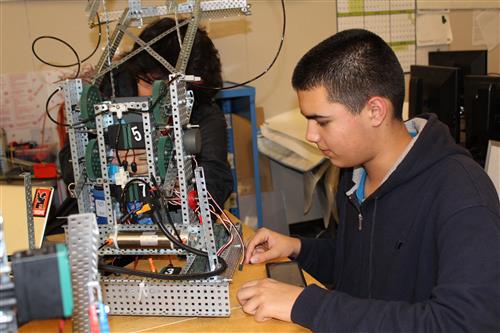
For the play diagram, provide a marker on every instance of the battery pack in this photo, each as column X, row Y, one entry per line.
column 42, row 280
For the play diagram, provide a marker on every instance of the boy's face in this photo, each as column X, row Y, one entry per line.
column 342, row 136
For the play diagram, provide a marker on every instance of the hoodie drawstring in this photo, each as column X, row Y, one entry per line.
column 370, row 258
column 342, row 224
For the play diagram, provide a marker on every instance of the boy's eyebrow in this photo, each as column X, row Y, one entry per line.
column 316, row 116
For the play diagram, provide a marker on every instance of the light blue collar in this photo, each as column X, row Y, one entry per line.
column 360, row 190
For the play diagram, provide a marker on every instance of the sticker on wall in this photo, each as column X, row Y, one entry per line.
column 41, row 201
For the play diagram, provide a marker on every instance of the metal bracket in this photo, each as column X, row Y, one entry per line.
column 29, row 209
column 208, row 232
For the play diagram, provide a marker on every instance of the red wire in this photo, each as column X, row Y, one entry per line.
column 61, row 326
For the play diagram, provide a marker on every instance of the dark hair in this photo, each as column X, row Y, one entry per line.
column 353, row 65
column 204, row 60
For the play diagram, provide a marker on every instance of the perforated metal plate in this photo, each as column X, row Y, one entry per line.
column 159, row 298
column 149, row 297
column 81, row 237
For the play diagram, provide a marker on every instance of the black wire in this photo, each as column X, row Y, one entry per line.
column 157, row 219
column 179, row 243
column 155, row 206
column 117, row 141
column 47, row 109
column 169, row 217
column 70, row 47
column 175, row 241
column 103, row 245
column 125, row 190
column 168, row 83
column 79, row 63
column 50, row 116
column 125, row 217
column 171, row 222
column 268, row 67
column 121, row 270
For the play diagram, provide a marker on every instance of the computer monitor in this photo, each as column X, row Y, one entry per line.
column 482, row 113
column 434, row 89
column 468, row 63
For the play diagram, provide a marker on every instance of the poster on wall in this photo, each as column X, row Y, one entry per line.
column 22, row 106
column 393, row 20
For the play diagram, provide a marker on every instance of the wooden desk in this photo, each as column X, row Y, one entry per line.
column 237, row 322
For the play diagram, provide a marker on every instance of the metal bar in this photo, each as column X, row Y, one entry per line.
column 111, row 48
column 184, row 169
column 104, row 167
column 92, row 7
column 29, row 209
column 227, row 7
column 77, row 140
column 208, row 232
column 188, row 41
column 152, row 52
column 138, row 50
column 149, row 134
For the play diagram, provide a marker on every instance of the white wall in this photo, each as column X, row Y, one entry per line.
column 247, row 44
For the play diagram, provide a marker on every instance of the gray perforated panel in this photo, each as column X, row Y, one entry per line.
column 157, row 298
column 81, row 238
column 205, row 298
column 227, row 7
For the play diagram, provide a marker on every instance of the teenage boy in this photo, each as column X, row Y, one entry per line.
column 418, row 240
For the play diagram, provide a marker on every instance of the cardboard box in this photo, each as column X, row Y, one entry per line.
column 242, row 132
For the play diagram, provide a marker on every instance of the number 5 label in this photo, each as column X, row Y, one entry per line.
column 136, row 133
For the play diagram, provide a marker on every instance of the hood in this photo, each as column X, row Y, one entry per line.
column 433, row 144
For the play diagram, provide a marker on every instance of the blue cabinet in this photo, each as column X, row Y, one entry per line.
column 241, row 101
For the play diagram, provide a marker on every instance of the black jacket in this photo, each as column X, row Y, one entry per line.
column 213, row 155
column 427, row 257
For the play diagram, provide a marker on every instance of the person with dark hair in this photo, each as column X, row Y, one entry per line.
column 135, row 77
column 417, row 247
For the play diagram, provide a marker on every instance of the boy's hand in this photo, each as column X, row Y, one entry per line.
column 267, row 245
column 267, row 298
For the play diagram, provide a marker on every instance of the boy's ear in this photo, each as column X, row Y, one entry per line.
column 378, row 110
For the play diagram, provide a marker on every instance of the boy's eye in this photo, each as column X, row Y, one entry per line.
column 322, row 123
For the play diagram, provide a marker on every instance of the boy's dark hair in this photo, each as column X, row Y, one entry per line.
column 353, row 65
column 204, row 60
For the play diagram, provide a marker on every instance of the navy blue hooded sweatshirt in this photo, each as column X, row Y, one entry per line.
column 420, row 254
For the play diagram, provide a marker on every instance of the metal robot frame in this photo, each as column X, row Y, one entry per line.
column 144, row 121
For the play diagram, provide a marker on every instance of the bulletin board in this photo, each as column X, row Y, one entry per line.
column 22, row 105
column 393, row 20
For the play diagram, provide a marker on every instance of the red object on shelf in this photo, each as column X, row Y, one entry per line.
column 45, row 170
